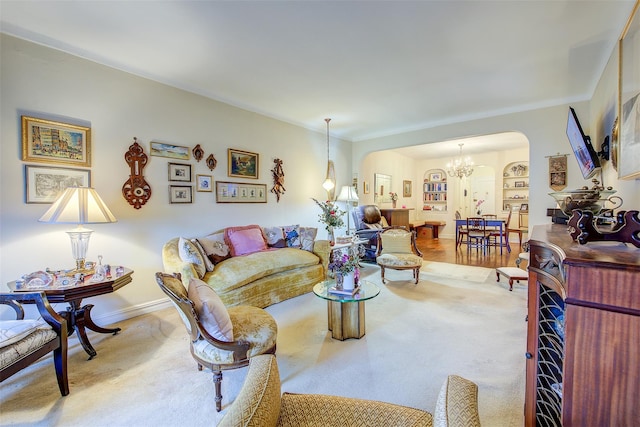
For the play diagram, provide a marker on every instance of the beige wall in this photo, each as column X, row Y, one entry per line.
column 119, row 106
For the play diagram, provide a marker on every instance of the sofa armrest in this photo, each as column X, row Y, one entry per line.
column 172, row 262
column 457, row 404
column 309, row 409
column 322, row 249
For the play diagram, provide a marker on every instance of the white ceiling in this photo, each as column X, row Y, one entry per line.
column 375, row 67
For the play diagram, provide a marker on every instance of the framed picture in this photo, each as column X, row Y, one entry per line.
column 365, row 187
column 520, row 184
column 524, row 207
column 160, row 149
column 204, row 183
column 437, row 176
column 44, row 184
column 46, row 141
column 629, row 98
column 180, row 194
column 406, row 188
column 243, row 164
column 237, row 192
column 179, row 172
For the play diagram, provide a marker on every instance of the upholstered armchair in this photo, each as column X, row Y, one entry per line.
column 397, row 250
column 23, row 341
column 260, row 403
column 368, row 222
column 221, row 338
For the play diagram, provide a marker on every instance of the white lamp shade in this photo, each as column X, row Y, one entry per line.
column 348, row 194
column 78, row 205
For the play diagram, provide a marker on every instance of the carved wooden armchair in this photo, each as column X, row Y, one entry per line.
column 397, row 250
column 369, row 222
column 24, row 341
column 221, row 338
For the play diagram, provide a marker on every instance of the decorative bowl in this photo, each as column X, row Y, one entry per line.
column 591, row 200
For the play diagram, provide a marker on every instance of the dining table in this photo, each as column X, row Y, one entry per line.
column 499, row 223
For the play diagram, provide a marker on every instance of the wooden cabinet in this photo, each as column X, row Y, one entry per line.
column 583, row 338
column 397, row 217
column 434, row 194
column 515, row 185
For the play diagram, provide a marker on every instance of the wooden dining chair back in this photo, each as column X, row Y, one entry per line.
column 519, row 229
column 477, row 233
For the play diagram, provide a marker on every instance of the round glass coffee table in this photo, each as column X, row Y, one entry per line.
column 345, row 313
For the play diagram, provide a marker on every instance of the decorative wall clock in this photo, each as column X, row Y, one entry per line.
column 136, row 190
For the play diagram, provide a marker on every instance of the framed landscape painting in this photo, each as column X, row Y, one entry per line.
column 243, row 164
column 44, row 184
column 46, row 141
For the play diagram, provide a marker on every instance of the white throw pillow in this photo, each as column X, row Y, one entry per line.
column 189, row 253
column 212, row 312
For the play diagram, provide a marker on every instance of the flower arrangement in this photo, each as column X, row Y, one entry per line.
column 331, row 215
column 478, row 203
column 346, row 260
column 394, row 196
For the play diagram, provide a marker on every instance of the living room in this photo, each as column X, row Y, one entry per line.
column 46, row 82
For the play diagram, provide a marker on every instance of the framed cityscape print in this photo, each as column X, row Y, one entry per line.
column 47, row 141
column 243, row 164
column 44, row 184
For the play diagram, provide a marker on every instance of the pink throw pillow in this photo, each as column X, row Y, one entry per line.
column 245, row 240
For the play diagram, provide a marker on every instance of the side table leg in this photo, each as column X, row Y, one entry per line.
column 89, row 322
column 82, row 334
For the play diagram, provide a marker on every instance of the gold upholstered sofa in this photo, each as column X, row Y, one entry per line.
column 251, row 265
column 261, row 404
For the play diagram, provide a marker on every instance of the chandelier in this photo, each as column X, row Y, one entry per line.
column 462, row 166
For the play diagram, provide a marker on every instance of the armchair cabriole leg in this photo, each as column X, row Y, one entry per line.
column 217, row 381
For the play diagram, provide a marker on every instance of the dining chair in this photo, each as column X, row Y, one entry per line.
column 461, row 231
column 523, row 220
column 477, row 234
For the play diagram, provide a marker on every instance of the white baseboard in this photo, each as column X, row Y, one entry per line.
column 133, row 311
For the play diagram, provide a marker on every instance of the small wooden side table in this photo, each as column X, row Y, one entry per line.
column 78, row 316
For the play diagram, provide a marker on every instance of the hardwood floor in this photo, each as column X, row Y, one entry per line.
column 444, row 250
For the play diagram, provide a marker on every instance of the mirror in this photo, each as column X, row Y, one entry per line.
column 382, row 188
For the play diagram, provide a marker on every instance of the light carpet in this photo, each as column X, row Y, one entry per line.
column 415, row 336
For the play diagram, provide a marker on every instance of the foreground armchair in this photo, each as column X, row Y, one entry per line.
column 23, row 342
column 221, row 338
column 261, row 404
column 368, row 222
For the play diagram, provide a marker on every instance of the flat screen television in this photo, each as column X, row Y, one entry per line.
column 582, row 148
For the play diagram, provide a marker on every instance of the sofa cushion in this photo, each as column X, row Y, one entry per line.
column 189, row 253
column 238, row 271
column 245, row 240
column 292, row 235
column 215, row 247
column 308, row 237
column 211, row 310
column 274, row 237
column 207, row 262
column 457, row 403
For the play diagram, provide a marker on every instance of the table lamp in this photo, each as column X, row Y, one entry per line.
column 78, row 205
column 348, row 194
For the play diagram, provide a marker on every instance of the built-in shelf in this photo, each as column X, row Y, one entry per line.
column 434, row 196
column 515, row 185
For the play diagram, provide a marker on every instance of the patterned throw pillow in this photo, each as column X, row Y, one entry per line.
column 189, row 253
column 292, row 236
column 215, row 247
column 274, row 237
column 207, row 262
column 211, row 310
column 308, row 237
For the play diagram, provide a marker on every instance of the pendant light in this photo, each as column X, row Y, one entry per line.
column 329, row 183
